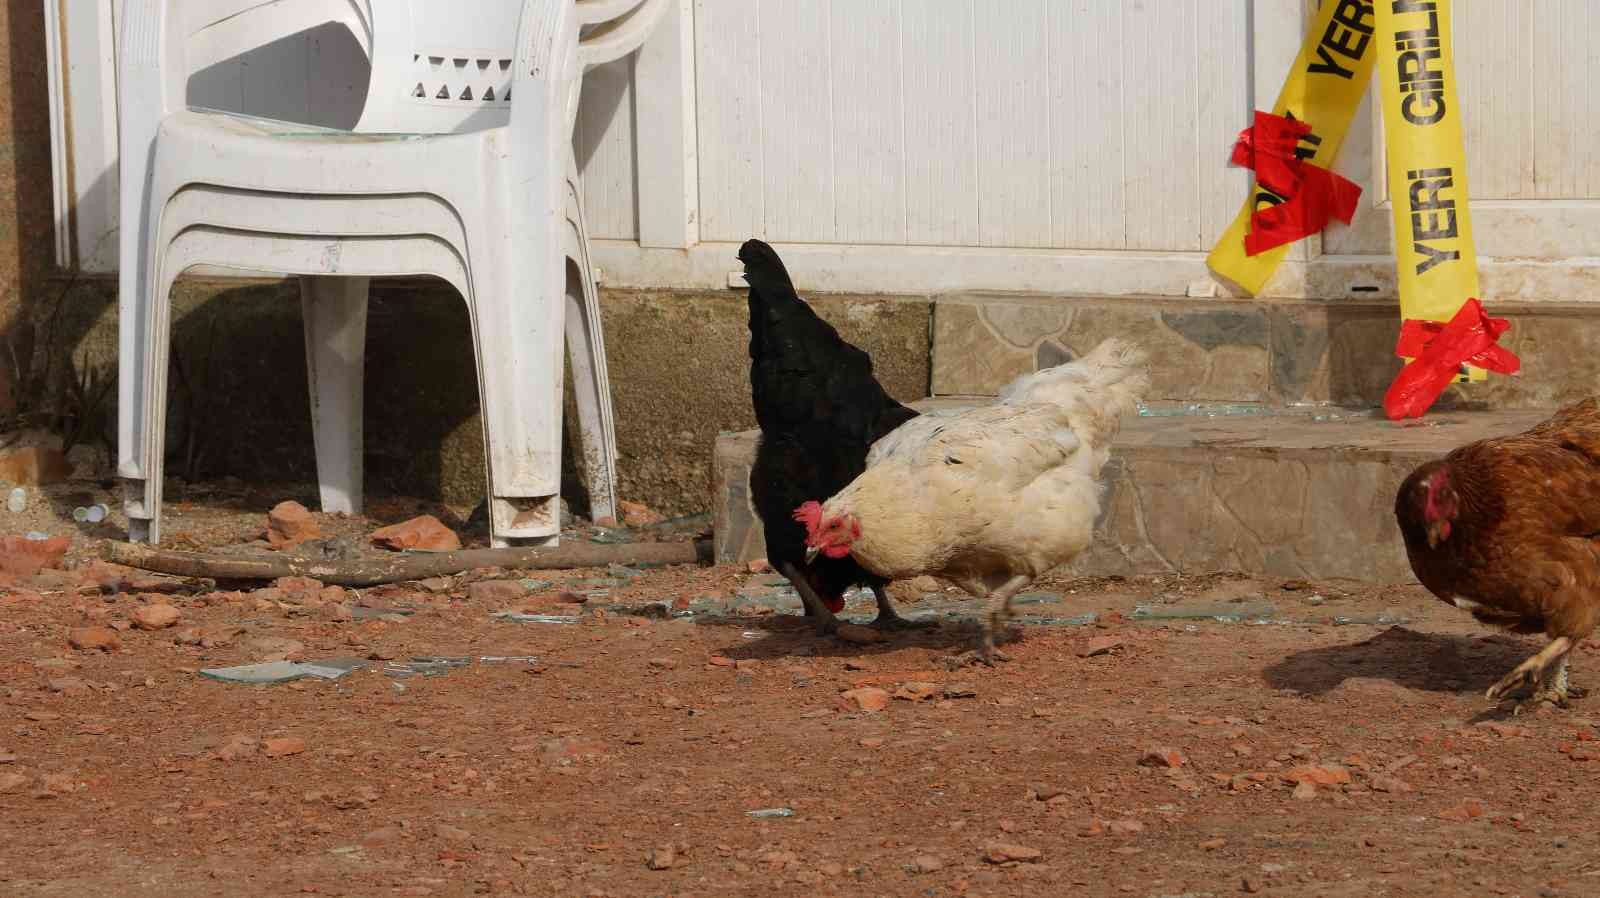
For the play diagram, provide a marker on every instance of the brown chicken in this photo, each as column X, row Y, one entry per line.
column 1509, row 529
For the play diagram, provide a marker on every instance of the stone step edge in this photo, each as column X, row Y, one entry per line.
column 1359, row 461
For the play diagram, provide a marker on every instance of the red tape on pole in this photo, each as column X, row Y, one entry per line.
column 1312, row 194
column 1439, row 350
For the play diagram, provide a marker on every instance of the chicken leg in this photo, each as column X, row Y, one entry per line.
column 889, row 619
column 815, row 607
column 996, row 611
column 1546, row 672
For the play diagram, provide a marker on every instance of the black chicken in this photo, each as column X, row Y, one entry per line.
column 820, row 410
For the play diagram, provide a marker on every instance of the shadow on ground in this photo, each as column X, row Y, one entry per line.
column 1429, row 662
column 780, row 636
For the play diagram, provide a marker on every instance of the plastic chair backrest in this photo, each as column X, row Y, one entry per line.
column 447, row 65
column 437, row 66
column 441, row 66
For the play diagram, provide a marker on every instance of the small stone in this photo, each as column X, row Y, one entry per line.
column 916, row 691
column 872, row 742
column 452, row 834
column 68, row 684
column 297, row 588
column 493, row 592
column 1008, row 853
column 424, row 533
column 289, row 524
column 1394, row 785
column 1125, row 827
column 663, row 663
column 866, row 698
column 94, row 638
column 1467, row 810
column 720, row 661
column 356, row 800
column 670, row 703
column 1213, row 844
column 856, row 633
column 1042, row 792
column 926, row 863
column 637, row 514
column 272, row 648
column 238, row 746
column 338, row 612
column 283, row 747
column 11, row 782
column 662, row 857
column 960, row 690
column 41, row 716
column 857, row 664
column 1304, row 791
column 759, row 566
column 925, row 583
column 1249, row 885
column 1100, row 645
column 1318, row 775
column 564, row 752
column 155, row 617
column 1163, row 757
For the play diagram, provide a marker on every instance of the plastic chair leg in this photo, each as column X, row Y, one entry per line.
column 518, row 344
column 142, row 479
column 592, row 388
column 335, row 313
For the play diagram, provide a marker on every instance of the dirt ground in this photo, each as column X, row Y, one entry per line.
column 1292, row 739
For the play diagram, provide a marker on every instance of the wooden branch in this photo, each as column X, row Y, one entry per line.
column 398, row 568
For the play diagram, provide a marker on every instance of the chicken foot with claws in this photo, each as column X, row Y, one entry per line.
column 996, row 612
column 1545, row 672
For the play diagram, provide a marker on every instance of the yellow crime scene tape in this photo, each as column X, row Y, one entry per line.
column 1436, row 264
column 1323, row 89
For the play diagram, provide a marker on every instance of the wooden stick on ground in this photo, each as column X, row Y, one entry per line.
column 397, row 568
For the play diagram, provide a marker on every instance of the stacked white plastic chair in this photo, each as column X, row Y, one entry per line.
column 461, row 167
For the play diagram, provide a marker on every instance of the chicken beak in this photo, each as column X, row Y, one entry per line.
column 1438, row 532
column 811, row 553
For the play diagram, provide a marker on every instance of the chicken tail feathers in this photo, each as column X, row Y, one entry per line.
column 1112, row 377
column 764, row 271
column 782, row 325
column 1095, row 391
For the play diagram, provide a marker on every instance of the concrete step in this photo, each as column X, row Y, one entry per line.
column 1303, row 492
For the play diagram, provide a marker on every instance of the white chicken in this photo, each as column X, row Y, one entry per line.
column 991, row 498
